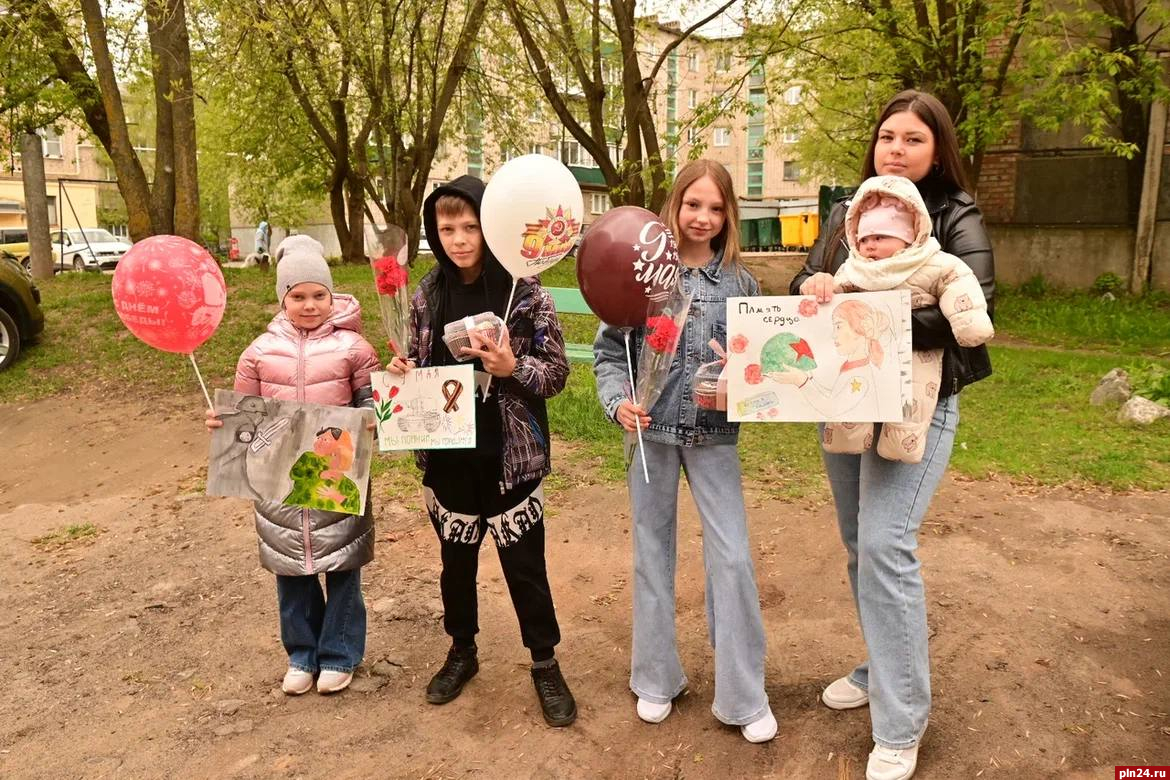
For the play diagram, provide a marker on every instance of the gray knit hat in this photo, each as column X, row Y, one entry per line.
column 301, row 259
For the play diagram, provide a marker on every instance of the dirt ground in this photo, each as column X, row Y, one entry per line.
column 152, row 650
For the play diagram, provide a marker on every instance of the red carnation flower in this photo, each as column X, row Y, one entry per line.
column 663, row 336
column 394, row 391
column 377, row 396
column 808, row 307
column 397, row 408
column 389, row 276
column 753, row 374
column 739, row 344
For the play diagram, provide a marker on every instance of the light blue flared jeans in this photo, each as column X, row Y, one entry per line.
column 735, row 627
column 880, row 506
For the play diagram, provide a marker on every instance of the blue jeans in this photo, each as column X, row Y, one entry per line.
column 880, row 506
column 320, row 634
column 734, row 625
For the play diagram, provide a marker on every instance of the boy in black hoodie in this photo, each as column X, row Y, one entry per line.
column 495, row 487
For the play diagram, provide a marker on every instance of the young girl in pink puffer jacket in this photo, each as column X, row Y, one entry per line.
column 313, row 351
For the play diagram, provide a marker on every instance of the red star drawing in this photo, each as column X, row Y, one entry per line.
column 802, row 349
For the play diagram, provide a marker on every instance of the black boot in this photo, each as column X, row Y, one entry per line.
column 460, row 666
column 555, row 698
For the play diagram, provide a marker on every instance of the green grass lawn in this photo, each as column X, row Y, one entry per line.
column 1030, row 421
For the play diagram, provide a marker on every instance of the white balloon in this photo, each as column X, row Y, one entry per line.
column 531, row 214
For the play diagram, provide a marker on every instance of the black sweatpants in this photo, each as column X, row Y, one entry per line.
column 462, row 504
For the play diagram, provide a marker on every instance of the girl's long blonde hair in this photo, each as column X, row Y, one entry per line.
column 869, row 323
column 728, row 238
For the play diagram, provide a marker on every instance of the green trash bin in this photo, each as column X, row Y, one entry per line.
column 769, row 233
column 749, row 234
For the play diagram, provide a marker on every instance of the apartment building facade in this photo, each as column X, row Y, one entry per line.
column 76, row 184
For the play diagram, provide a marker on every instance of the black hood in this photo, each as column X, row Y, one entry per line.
column 497, row 280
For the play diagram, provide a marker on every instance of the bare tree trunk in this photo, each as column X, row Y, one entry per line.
column 36, row 205
column 183, row 114
column 354, row 251
column 131, row 178
column 163, row 192
column 1148, row 211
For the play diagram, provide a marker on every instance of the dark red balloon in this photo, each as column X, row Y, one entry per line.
column 626, row 259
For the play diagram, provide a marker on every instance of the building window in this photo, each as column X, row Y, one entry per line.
column 536, row 149
column 755, row 179
column 791, row 170
column 599, row 202
column 693, row 61
column 50, row 142
column 722, row 136
column 51, row 204
column 723, row 62
column 693, row 98
column 692, row 134
column 572, row 153
column 792, row 96
column 791, row 135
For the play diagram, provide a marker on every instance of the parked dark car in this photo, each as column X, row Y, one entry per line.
column 21, row 318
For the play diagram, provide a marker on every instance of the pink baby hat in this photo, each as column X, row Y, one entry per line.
column 889, row 217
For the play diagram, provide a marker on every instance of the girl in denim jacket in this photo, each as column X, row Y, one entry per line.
column 701, row 212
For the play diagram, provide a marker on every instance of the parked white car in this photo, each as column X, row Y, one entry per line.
column 91, row 248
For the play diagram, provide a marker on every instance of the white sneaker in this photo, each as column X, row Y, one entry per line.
column 761, row 730
column 296, row 682
column 651, row 712
column 844, row 695
column 889, row 764
column 332, row 682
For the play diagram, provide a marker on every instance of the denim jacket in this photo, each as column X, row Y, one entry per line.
column 675, row 419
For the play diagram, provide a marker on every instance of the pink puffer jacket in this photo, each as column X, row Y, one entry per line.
column 326, row 365
column 322, row 366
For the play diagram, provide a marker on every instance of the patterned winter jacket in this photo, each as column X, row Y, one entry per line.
column 330, row 364
column 541, row 372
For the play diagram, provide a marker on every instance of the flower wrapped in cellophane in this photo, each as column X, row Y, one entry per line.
column 387, row 249
column 665, row 320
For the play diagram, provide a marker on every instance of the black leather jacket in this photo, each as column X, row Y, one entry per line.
column 958, row 226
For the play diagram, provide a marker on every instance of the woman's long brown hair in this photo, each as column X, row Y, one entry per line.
column 948, row 162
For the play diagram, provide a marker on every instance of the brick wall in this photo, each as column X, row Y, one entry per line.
column 996, row 188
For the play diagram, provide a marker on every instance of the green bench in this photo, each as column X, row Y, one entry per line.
column 569, row 300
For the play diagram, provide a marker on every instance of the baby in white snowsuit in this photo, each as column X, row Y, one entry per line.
column 890, row 247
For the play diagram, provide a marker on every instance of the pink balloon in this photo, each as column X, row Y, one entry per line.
column 170, row 293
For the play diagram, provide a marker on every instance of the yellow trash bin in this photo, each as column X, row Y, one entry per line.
column 790, row 229
column 810, row 228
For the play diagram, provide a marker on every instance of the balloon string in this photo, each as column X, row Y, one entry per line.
column 487, row 387
column 200, row 378
column 511, row 295
column 637, row 418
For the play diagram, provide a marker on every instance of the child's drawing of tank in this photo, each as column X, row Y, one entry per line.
column 421, row 414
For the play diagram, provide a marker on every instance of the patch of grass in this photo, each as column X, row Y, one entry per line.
column 1032, row 420
column 67, row 535
column 1079, row 320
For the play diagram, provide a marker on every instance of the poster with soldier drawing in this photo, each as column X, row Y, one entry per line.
column 298, row 454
